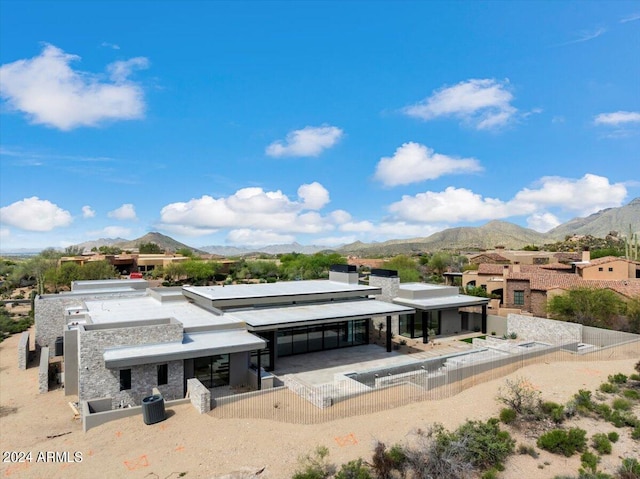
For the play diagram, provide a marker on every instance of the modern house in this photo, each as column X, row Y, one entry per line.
column 120, row 339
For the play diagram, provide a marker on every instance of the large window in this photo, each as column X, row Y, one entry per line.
column 212, row 371
column 307, row 339
column 518, row 298
column 125, row 379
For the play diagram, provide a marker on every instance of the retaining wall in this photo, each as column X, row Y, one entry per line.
column 199, row 395
column 23, row 350
column 43, row 371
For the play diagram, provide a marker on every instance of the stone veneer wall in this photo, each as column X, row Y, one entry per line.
column 389, row 286
column 50, row 318
column 43, row 371
column 23, row 350
column 544, row 330
column 96, row 380
column 200, row 396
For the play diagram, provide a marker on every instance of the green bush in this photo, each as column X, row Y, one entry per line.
column 564, row 442
column 631, row 394
column 613, row 436
column 315, row 466
column 618, row 378
column 635, row 377
column 608, row 388
column 635, row 434
column 601, row 443
column 620, row 404
column 629, row 469
column 507, row 415
column 589, row 461
column 530, row 450
column 354, row 470
column 583, row 401
column 490, row 474
column 553, row 410
column 485, row 444
column 623, row 418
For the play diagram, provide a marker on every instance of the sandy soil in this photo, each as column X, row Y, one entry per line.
column 215, row 444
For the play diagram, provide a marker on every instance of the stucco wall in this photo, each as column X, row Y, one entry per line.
column 95, row 380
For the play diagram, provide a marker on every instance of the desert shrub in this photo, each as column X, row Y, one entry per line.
column 620, row 404
column 486, row 445
column 354, row 470
column 623, row 419
column 553, row 410
column 564, row 442
column 629, row 469
column 601, row 443
column 613, row 436
column 507, row 415
column 603, row 410
column 635, row 434
column 618, row 379
column 490, row 474
column 608, row 388
column 530, row 450
column 589, row 461
column 386, row 460
column 584, row 402
column 631, row 394
column 315, row 465
column 520, row 395
column 635, row 377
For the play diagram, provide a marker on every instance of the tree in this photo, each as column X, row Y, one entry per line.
column 406, row 267
column 149, row 248
column 200, row 272
column 587, row 306
column 73, row 251
column 185, row 252
column 98, row 270
column 633, row 314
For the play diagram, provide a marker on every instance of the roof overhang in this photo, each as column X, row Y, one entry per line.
column 193, row 345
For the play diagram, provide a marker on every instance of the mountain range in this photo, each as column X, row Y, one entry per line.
column 492, row 234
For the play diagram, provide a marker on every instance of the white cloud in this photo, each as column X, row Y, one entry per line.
column 250, row 237
column 583, row 196
column 314, row 195
column 542, row 222
column 110, row 45
column 586, row 35
column 5, row 232
column 630, row 18
column 413, row 162
column 51, row 93
column 309, row 141
column 88, row 212
column 484, row 104
column 617, row 118
column 340, row 216
column 254, row 208
column 34, row 214
column 110, row 232
column 357, row 226
column 335, row 240
column 450, row 206
column 125, row 212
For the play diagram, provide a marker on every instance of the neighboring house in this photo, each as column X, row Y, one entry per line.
column 609, row 268
column 127, row 263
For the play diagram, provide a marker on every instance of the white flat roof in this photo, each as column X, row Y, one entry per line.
column 193, row 345
column 113, row 310
column 284, row 288
column 287, row 316
column 444, row 302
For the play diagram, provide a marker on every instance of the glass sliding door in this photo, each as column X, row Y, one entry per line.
column 212, row 371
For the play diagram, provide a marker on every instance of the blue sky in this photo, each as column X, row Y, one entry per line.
column 252, row 123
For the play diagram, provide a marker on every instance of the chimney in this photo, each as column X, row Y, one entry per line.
column 586, row 255
column 388, row 281
column 516, row 268
column 343, row 273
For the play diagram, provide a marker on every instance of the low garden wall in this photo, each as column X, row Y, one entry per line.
column 23, row 350
column 199, row 395
column 43, row 371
